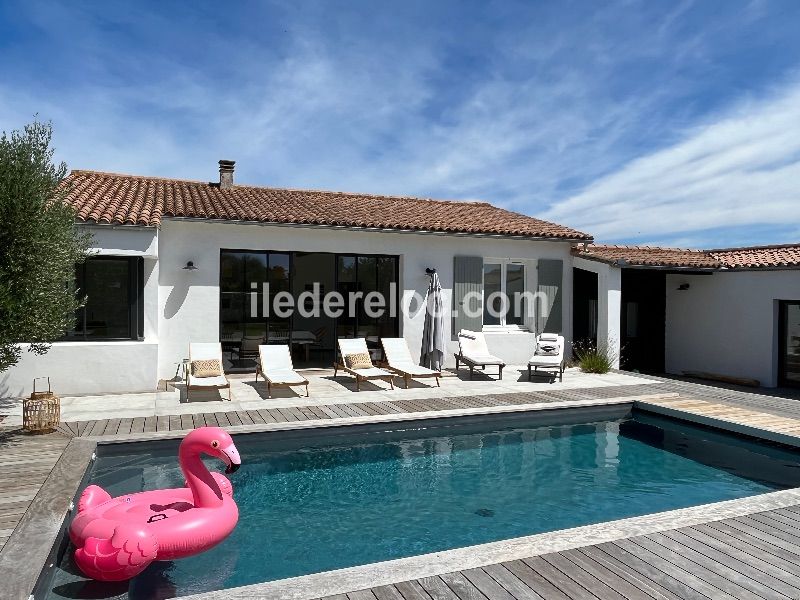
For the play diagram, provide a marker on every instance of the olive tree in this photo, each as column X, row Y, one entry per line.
column 40, row 244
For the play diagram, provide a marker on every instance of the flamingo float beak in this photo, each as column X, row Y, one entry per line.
column 231, row 457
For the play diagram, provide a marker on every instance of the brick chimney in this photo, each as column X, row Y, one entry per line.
column 226, row 174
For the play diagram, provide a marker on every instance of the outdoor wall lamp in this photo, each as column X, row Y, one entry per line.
column 190, row 266
column 683, row 287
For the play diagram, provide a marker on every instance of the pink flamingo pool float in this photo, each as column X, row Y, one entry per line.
column 117, row 538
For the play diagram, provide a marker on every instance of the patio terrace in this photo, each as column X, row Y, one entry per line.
column 324, row 388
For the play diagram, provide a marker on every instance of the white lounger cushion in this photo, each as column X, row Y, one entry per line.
column 275, row 357
column 205, row 351
column 218, row 381
column 372, row 372
column 277, row 367
column 398, row 357
column 545, row 361
column 287, row 376
column 349, row 346
column 472, row 346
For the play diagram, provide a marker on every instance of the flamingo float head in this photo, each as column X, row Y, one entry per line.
column 215, row 442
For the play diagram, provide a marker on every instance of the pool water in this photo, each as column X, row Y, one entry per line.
column 364, row 498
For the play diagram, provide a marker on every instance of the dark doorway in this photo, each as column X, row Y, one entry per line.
column 584, row 306
column 643, row 320
column 789, row 344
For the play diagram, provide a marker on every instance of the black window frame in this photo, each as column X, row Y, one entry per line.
column 336, row 255
column 135, row 302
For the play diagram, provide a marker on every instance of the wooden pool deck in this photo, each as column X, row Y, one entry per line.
column 132, row 426
column 754, row 556
column 25, row 463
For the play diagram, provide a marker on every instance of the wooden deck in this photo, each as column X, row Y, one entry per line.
column 125, row 427
column 753, row 558
column 739, row 415
column 25, row 462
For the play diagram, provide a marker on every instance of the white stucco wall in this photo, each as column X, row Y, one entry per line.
column 189, row 300
column 727, row 323
column 85, row 368
column 609, row 298
column 124, row 240
column 182, row 306
column 97, row 367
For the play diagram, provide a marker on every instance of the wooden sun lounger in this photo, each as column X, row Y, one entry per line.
column 206, row 351
column 276, row 367
column 551, row 364
column 399, row 361
column 349, row 346
column 473, row 352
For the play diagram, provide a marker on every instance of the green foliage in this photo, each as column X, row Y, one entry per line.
column 39, row 245
column 593, row 358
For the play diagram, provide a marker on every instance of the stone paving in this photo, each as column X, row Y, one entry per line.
column 324, row 388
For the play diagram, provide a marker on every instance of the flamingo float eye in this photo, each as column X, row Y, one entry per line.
column 215, row 444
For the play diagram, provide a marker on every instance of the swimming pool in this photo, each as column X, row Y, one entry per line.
column 318, row 500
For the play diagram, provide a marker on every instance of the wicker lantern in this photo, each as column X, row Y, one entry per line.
column 41, row 412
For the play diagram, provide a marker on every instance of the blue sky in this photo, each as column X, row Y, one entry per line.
column 642, row 122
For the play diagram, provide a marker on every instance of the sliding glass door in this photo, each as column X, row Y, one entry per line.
column 246, row 320
column 789, row 340
column 356, row 278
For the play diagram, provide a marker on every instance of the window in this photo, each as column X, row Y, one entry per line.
column 503, row 293
column 243, row 273
column 365, row 274
column 114, row 310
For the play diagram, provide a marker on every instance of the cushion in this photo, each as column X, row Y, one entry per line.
column 547, row 348
column 206, row 368
column 360, row 360
column 548, row 337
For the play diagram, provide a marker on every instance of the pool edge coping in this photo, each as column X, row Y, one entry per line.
column 362, row 577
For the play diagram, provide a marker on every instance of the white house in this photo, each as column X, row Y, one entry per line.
column 180, row 261
column 183, row 261
column 732, row 312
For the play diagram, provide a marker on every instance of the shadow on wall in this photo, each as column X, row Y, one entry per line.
column 176, row 298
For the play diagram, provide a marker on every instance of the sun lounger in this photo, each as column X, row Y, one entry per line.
column 548, row 356
column 275, row 366
column 473, row 352
column 349, row 347
column 203, row 372
column 399, row 361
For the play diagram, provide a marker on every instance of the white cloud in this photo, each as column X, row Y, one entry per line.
column 363, row 101
column 742, row 169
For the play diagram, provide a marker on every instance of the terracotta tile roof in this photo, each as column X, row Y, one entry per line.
column 648, row 256
column 787, row 255
column 133, row 200
column 756, row 257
